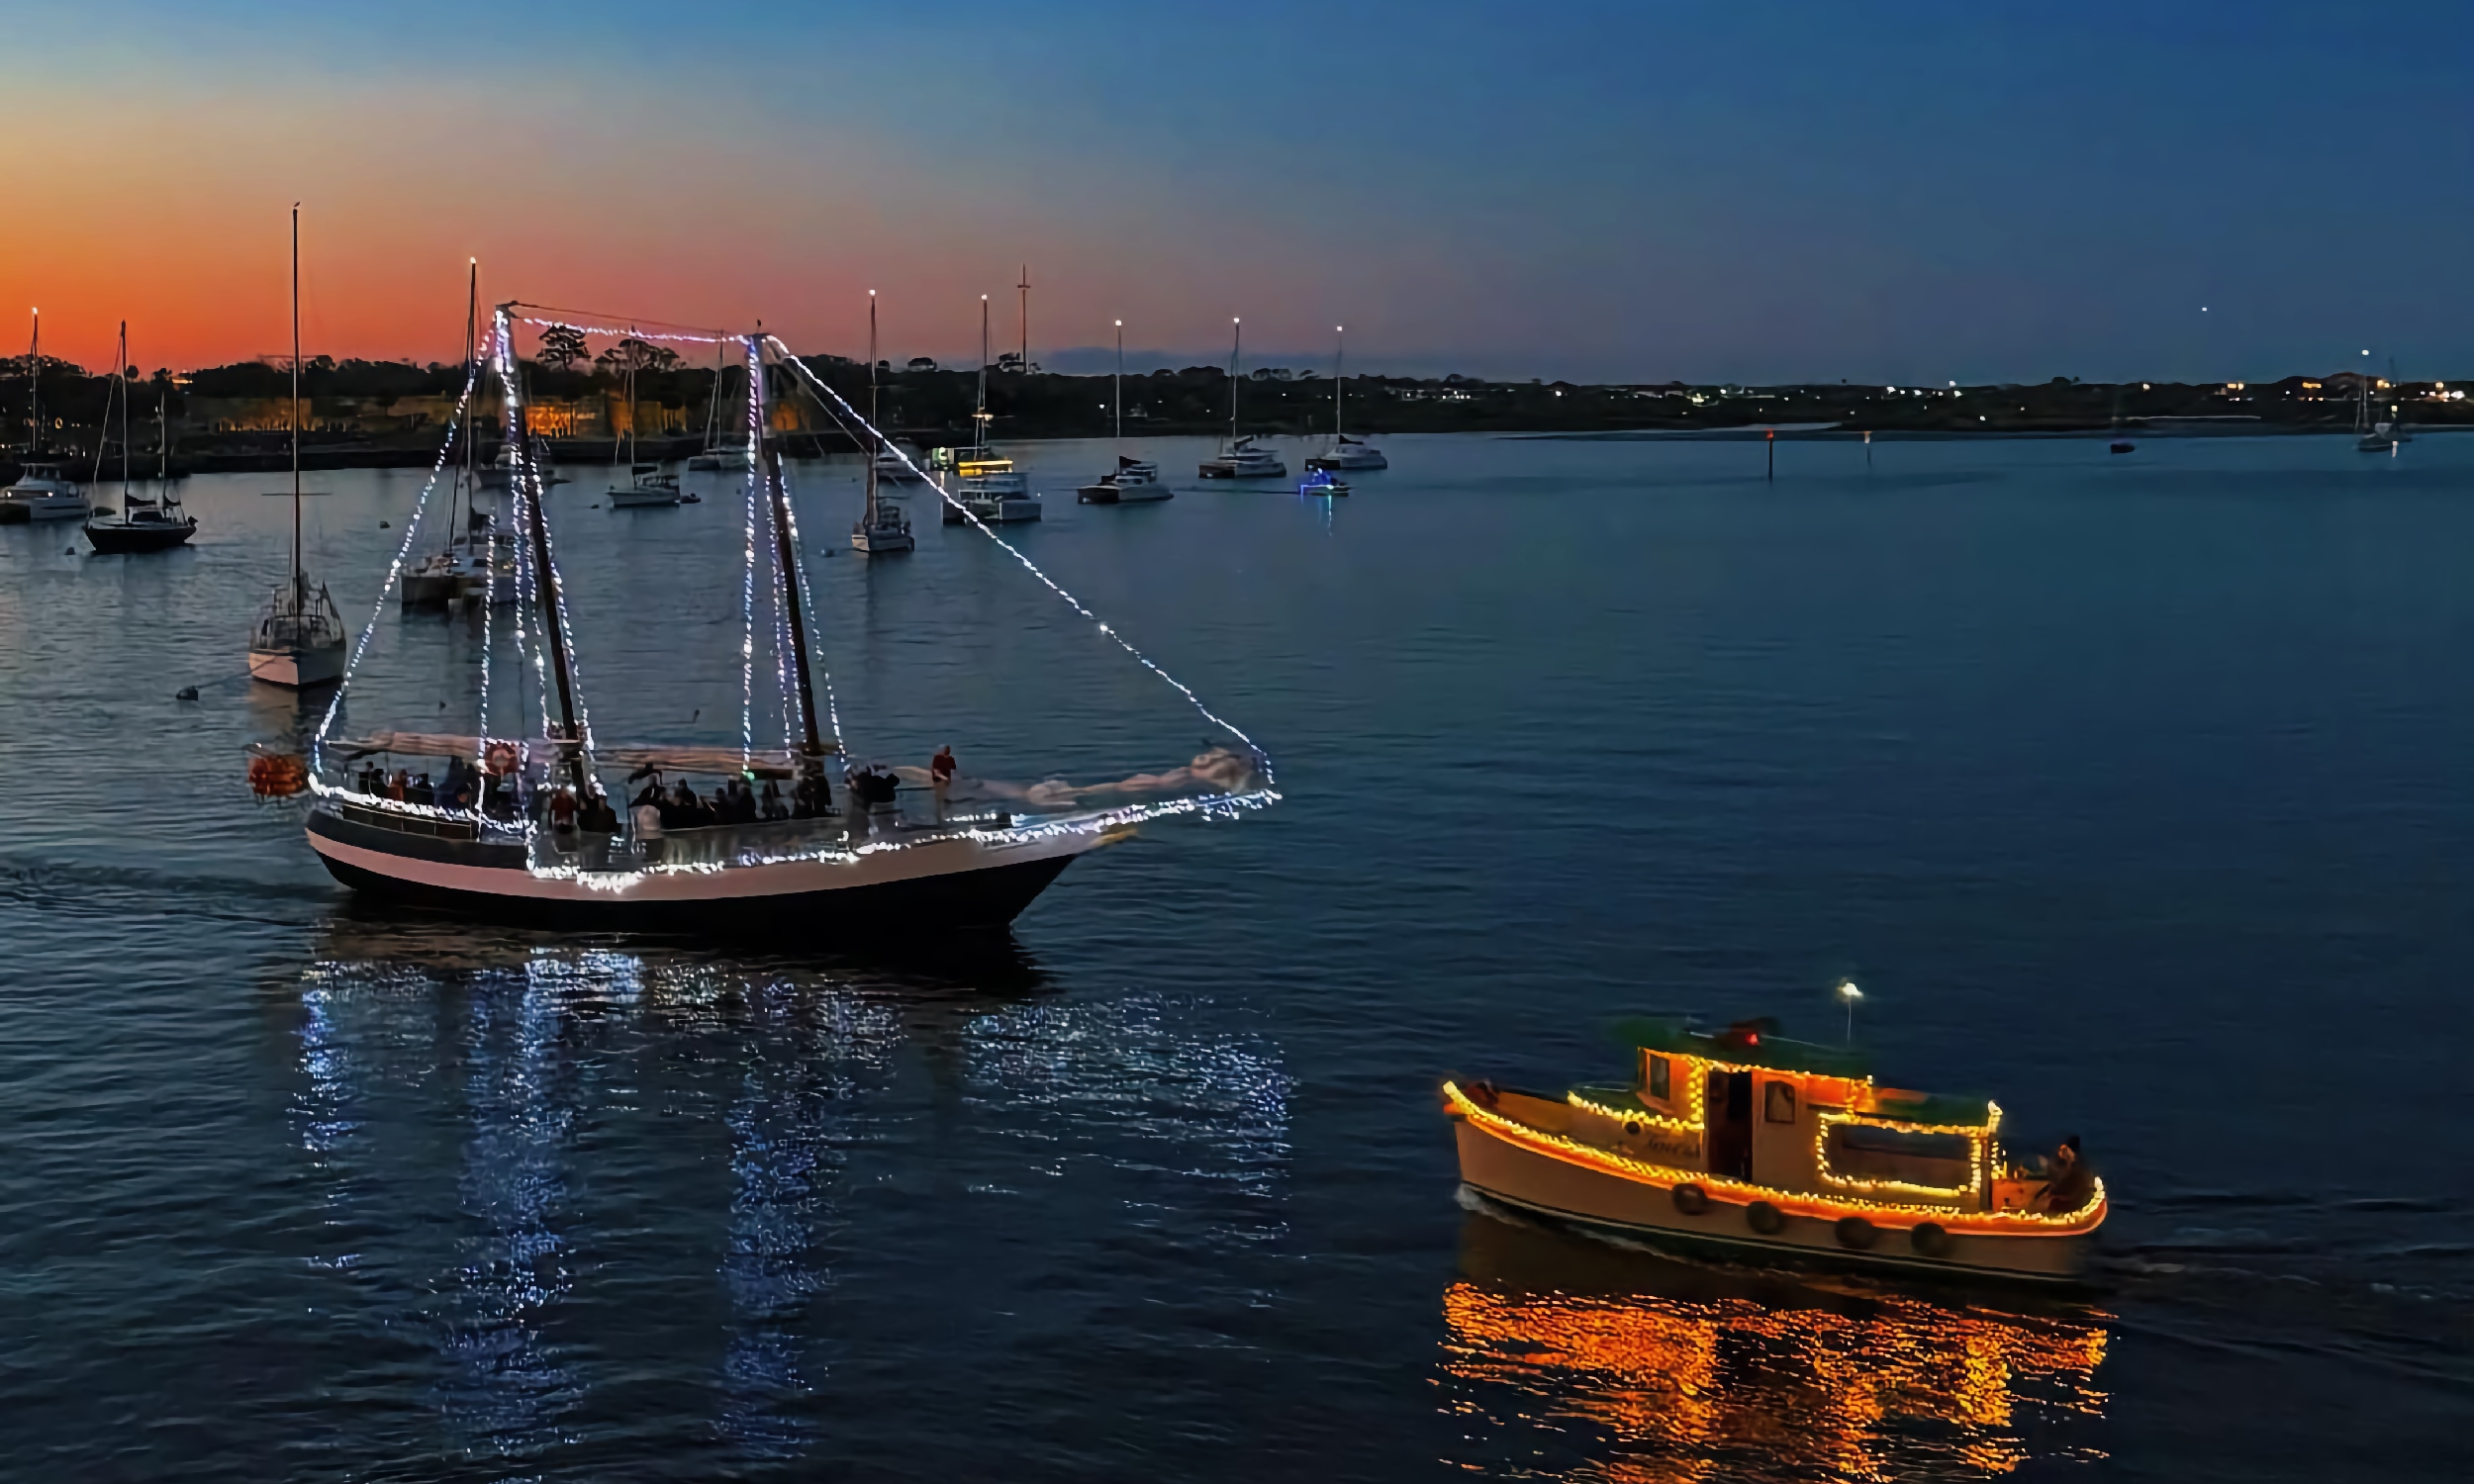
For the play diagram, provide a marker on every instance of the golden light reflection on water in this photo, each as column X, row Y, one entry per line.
column 1643, row 1368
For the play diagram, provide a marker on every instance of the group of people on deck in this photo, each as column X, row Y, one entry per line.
column 734, row 802
column 458, row 787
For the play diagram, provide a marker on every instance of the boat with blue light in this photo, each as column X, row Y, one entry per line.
column 1744, row 1139
column 1320, row 482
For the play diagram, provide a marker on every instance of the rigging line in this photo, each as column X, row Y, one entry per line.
column 553, row 309
column 412, row 527
column 630, row 333
column 1261, row 758
column 790, row 508
column 747, row 639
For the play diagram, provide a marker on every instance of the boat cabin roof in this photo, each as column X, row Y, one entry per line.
column 1758, row 1044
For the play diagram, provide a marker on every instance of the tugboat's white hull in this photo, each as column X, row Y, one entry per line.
column 299, row 668
column 1533, row 1176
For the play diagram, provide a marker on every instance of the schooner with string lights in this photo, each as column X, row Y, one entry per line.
column 529, row 827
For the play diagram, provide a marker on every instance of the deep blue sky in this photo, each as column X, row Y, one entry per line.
column 1887, row 192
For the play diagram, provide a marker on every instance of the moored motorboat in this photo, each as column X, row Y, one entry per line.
column 1349, row 453
column 1745, row 1138
column 43, row 493
column 1131, row 482
column 990, row 489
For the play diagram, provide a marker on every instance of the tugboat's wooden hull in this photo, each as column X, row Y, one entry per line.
column 1501, row 1164
column 958, row 884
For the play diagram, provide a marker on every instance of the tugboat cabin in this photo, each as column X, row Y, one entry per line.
column 1748, row 1105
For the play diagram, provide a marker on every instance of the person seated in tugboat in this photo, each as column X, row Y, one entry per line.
column 2072, row 1183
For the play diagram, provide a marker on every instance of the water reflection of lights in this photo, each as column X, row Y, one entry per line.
column 1682, row 1372
column 516, row 1144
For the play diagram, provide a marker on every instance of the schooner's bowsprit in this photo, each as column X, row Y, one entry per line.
column 533, row 823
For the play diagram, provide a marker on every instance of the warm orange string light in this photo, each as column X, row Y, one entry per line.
column 1794, row 1203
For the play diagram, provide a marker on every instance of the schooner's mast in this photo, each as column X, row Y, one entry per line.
column 873, row 450
column 300, row 578
column 769, row 465
column 545, row 578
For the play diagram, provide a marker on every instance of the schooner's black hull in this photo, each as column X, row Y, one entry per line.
column 132, row 540
column 986, row 900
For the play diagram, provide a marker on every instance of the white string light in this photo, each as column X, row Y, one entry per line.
column 412, row 527
column 1262, row 759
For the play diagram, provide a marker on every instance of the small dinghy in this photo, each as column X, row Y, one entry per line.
column 1744, row 1139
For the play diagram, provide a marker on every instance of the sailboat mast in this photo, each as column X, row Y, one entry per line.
column 119, row 376
column 786, row 554
column 979, row 437
column 299, row 580
column 547, row 579
column 1339, row 364
column 472, row 323
column 34, row 387
column 1117, row 396
column 872, row 450
column 1236, row 351
column 1025, row 287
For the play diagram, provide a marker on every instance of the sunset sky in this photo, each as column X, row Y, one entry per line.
column 1616, row 191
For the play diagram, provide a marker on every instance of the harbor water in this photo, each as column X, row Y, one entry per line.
column 2132, row 791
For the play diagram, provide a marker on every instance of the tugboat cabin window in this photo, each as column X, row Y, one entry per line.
column 1779, row 1102
column 1661, row 1077
column 1862, row 1151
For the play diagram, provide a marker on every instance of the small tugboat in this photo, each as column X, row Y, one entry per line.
column 1744, row 1137
column 1320, row 482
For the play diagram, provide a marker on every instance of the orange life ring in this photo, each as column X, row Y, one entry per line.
column 277, row 775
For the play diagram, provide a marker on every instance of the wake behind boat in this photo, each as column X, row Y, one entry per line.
column 541, row 828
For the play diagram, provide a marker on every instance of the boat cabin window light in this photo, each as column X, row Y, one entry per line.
column 1661, row 1078
column 1779, row 1102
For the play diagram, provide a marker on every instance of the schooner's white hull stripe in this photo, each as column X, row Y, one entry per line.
column 732, row 883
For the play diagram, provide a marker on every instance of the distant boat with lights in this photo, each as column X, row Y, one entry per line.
column 41, row 491
column 984, row 485
column 1744, row 1139
column 526, row 828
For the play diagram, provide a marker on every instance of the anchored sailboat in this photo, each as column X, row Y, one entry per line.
column 988, row 486
column 299, row 638
column 459, row 572
column 724, row 455
column 145, row 522
column 1345, row 452
column 526, row 828
column 1239, row 457
column 41, row 491
column 1132, row 479
column 882, row 529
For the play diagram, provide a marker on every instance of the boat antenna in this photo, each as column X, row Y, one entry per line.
column 1236, row 346
column 871, row 447
column 299, row 580
column 769, row 461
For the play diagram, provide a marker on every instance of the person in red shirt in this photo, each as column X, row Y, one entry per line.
column 941, row 766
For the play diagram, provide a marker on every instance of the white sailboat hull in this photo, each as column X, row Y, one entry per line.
column 299, row 666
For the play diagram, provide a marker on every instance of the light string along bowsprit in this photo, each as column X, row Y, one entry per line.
column 876, row 439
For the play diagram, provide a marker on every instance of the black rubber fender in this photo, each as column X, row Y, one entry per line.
column 1764, row 1217
column 1690, row 1199
column 1930, row 1238
column 1856, row 1233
